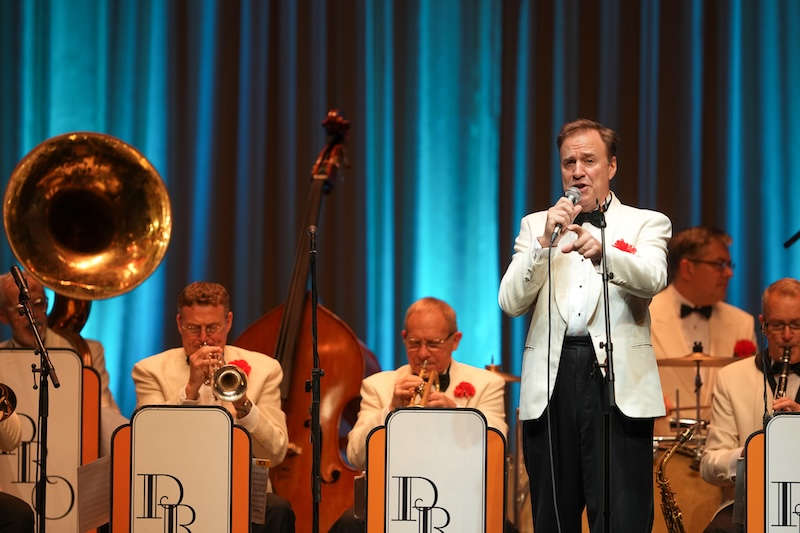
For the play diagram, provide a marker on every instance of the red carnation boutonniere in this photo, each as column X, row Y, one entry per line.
column 625, row 247
column 241, row 363
column 464, row 390
column 744, row 348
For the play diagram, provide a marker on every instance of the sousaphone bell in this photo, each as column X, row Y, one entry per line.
column 88, row 216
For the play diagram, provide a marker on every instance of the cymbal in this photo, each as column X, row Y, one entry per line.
column 509, row 378
column 693, row 359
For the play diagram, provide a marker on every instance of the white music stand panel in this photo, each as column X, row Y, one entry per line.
column 181, row 469
column 782, row 468
column 18, row 472
column 435, row 470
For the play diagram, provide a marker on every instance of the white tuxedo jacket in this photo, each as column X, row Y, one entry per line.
column 737, row 410
column 637, row 277
column 161, row 380
column 376, row 400
column 727, row 325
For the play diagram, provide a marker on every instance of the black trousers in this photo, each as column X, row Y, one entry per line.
column 16, row 516
column 279, row 518
column 576, row 416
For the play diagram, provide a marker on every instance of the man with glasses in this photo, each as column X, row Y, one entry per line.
column 23, row 338
column 430, row 335
column 691, row 311
column 738, row 402
column 180, row 377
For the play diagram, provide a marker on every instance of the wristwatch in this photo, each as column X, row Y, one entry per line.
column 244, row 410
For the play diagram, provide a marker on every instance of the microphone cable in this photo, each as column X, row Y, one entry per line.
column 547, row 371
column 763, row 354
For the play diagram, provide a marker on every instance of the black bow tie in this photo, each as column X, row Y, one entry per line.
column 777, row 367
column 444, row 381
column 594, row 218
column 687, row 310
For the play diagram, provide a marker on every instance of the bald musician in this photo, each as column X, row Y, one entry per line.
column 430, row 335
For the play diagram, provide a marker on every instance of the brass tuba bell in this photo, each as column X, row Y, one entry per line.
column 88, row 216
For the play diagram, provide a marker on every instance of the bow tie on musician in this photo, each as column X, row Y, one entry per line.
column 704, row 311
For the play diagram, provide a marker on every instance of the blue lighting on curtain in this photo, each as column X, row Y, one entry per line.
column 380, row 181
column 648, row 104
column 734, row 146
column 455, row 204
column 428, row 69
column 204, row 156
column 696, row 114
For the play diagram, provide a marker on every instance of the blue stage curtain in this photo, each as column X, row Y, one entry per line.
column 454, row 108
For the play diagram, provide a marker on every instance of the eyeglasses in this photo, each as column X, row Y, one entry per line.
column 719, row 265
column 195, row 329
column 433, row 345
column 778, row 327
column 40, row 303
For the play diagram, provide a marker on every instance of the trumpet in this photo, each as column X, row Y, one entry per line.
column 783, row 377
column 430, row 380
column 218, row 362
column 229, row 383
column 8, row 401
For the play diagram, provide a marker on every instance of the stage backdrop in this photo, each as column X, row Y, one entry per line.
column 454, row 108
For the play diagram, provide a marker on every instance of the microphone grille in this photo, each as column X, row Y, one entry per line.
column 573, row 194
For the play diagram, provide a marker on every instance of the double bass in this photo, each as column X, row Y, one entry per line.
column 286, row 332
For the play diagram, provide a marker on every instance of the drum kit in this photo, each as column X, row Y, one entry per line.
column 701, row 510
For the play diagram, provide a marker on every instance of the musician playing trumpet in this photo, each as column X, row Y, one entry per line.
column 183, row 376
column 430, row 335
column 737, row 406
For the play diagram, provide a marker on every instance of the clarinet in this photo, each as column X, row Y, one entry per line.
column 783, row 377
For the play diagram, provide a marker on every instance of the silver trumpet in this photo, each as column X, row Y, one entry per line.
column 229, row 383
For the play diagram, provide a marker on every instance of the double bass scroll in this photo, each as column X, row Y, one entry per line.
column 286, row 332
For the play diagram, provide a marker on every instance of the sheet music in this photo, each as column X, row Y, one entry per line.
column 94, row 493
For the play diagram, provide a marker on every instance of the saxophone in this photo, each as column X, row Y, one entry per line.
column 673, row 517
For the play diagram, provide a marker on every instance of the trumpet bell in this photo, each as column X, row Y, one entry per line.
column 87, row 215
column 229, row 383
column 8, row 401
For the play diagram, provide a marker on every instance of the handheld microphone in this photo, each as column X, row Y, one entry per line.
column 573, row 194
column 22, row 285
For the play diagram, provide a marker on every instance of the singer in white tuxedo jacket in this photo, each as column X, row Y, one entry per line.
column 569, row 376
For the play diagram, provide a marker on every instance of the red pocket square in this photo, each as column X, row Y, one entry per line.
column 625, row 247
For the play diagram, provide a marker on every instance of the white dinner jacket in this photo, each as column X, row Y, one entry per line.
column 637, row 277
column 726, row 326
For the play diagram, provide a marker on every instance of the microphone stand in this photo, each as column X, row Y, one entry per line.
column 611, row 401
column 45, row 370
column 313, row 387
